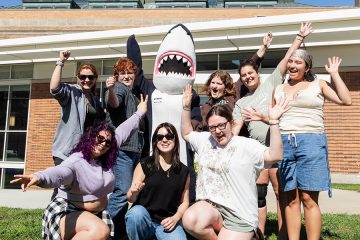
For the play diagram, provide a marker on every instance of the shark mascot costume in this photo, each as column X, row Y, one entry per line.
column 175, row 67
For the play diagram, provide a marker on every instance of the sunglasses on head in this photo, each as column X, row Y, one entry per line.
column 83, row 77
column 168, row 136
column 102, row 139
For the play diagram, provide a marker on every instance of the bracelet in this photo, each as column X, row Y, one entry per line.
column 186, row 109
column 180, row 213
column 59, row 63
column 274, row 122
column 300, row 35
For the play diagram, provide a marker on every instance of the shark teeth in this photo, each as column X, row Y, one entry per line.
column 175, row 74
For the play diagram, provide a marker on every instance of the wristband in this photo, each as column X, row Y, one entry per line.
column 59, row 63
column 274, row 122
column 300, row 35
column 186, row 109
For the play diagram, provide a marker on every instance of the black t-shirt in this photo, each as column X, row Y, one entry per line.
column 220, row 101
column 162, row 192
column 90, row 117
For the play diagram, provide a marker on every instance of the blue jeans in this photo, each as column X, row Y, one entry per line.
column 141, row 227
column 118, row 204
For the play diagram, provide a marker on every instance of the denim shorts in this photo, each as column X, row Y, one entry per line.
column 305, row 162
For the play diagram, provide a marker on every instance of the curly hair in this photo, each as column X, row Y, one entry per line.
column 124, row 64
column 89, row 138
column 91, row 67
column 153, row 161
column 225, row 78
column 247, row 62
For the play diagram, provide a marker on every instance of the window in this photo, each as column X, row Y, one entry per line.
column 8, row 174
column 22, row 71
column 4, row 72
column 207, row 62
column 230, row 61
column 14, row 106
column 109, row 66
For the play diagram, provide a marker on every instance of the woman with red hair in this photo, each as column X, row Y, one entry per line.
column 121, row 104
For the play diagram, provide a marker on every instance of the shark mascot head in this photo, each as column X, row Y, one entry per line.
column 175, row 64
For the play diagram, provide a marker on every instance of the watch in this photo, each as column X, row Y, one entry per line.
column 59, row 63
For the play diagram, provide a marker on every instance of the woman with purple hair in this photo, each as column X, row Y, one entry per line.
column 84, row 180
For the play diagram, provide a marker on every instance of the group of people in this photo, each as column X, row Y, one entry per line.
column 99, row 152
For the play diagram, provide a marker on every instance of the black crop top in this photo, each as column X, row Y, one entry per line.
column 161, row 194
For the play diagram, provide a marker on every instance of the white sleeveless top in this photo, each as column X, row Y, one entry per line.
column 306, row 114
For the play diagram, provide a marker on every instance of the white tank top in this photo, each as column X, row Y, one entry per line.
column 306, row 114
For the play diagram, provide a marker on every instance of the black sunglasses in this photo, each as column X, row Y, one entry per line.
column 102, row 139
column 168, row 136
column 83, row 77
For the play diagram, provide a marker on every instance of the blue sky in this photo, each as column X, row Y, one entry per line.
column 311, row 2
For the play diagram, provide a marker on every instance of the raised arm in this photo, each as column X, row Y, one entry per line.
column 305, row 30
column 238, row 124
column 133, row 53
column 125, row 130
column 56, row 76
column 340, row 94
column 266, row 44
column 186, row 127
column 111, row 98
column 275, row 152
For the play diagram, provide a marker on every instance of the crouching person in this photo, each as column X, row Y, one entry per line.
column 159, row 190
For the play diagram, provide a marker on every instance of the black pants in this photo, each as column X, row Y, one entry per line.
column 57, row 161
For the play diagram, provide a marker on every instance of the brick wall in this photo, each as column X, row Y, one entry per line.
column 342, row 129
column 44, row 118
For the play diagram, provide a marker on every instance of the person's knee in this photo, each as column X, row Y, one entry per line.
column 136, row 215
column 189, row 219
column 308, row 201
column 262, row 192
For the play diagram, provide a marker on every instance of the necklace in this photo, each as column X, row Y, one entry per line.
column 168, row 172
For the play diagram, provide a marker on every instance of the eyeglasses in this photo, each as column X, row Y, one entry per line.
column 102, row 139
column 220, row 126
column 168, row 136
column 123, row 74
column 83, row 77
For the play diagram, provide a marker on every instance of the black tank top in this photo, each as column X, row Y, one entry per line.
column 161, row 194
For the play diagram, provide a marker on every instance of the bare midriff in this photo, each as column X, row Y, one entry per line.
column 96, row 205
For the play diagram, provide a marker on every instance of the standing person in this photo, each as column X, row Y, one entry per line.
column 120, row 105
column 304, row 170
column 159, row 190
column 220, row 87
column 228, row 168
column 80, row 108
column 252, row 110
column 84, row 180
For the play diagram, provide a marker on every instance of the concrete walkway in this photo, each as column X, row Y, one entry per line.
column 341, row 202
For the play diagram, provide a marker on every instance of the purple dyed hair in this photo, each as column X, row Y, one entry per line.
column 89, row 138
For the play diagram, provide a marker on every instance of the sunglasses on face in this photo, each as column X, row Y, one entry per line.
column 220, row 126
column 168, row 136
column 102, row 139
column 83, row 77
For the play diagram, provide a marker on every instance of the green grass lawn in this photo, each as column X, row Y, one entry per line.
column 344, row 186
column 16, row 223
